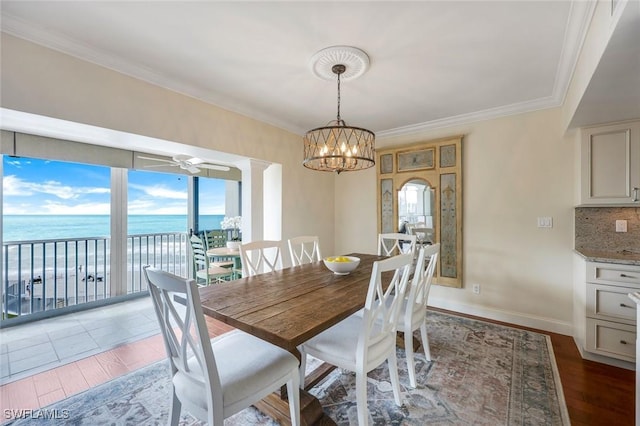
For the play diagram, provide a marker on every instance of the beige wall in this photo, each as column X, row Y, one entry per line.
column 514, row 169
column 38, row 80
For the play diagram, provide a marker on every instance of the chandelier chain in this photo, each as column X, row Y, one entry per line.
column 338, row 117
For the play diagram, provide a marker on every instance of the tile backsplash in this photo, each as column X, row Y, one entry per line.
column 596, row 228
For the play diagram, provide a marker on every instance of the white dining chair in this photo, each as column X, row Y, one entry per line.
column 413, row 314
column 214, row 379
column 395, row 243
column 259, row 257
column 207, row 272
column 305, row 249
column 423, row 235
column 361, row 343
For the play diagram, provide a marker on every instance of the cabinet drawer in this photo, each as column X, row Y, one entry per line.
column 611, row 339
column 614, row 274
column 611, row 303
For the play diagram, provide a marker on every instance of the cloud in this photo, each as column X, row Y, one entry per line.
column 17, row 187
column 218, row 209
column 54, row 208
column 21, row 209
column 160, row 191
column 144, row 207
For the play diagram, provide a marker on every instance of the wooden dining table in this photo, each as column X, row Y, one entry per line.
column 224, row 253
column 287, row 308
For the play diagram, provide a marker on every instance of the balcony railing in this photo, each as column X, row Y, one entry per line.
column 46, row 275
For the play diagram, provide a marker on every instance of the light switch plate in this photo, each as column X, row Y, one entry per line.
column 545, row 222
column 621, row 226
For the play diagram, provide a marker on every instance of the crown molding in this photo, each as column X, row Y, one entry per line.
column 472, row 117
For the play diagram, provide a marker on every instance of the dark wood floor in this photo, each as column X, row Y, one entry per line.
column 596, row 394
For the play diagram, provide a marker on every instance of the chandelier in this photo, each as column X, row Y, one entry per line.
column 337, row 147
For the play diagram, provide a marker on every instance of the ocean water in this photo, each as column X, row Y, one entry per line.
column 45, row 227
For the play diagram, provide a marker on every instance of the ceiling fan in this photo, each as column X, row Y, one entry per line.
column 185, row 162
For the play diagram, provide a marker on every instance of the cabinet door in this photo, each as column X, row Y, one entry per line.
column 611, row 164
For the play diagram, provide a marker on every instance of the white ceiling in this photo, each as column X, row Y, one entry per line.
column 432, row 63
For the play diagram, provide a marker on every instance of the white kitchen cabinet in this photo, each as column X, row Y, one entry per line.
column 610, row 164
column 610, row 315
column 635, row 298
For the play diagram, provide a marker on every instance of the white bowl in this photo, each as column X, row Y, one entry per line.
column 342, row 268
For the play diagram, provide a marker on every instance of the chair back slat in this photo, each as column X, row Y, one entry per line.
column 305, row 249
column 423, row 276
column 383, row 303
column 396, row 243
column 215, row 239
column 259, row 257
column 199, row 252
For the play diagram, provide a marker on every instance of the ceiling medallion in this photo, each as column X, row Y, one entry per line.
column 337, row 147
column 355, row 60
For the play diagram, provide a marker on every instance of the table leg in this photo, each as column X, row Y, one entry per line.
column 400, row 341
column 276, row 405
column 310, row 409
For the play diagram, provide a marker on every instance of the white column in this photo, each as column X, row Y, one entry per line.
column 118, row 258
column 231, row 198
column 252, row 199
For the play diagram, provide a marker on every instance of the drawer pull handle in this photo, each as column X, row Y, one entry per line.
column 626, row 276
column 624, row 342
column 622, row 305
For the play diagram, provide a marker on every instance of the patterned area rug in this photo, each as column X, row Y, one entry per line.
column 480, row 374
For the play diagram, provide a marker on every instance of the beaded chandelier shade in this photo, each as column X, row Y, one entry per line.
column 338, row 147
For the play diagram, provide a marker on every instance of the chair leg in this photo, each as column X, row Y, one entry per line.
column 361, row 398
column 215, row 417
column 174, row 414
column 425, row 340
column 395, row 380
column 293, row 392
column 303, row 366
column 408, row 349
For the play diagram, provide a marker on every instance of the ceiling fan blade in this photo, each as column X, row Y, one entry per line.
column 154, row 159
column 186, row 162
column 154, row 166
column 214, row 167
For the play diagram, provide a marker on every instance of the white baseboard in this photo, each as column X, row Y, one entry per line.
column 518, row 318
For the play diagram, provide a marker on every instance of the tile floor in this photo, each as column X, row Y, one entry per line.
column 48, row 360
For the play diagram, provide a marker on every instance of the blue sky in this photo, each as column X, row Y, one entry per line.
column 33, row 186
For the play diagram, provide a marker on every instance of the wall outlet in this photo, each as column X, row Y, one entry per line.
column 545, row 222
column 621, row 226
column 476, row 289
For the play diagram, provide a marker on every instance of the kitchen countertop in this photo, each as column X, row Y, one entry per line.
column 623, row 257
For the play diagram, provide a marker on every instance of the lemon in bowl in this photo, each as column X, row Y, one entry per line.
column 341, row 265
